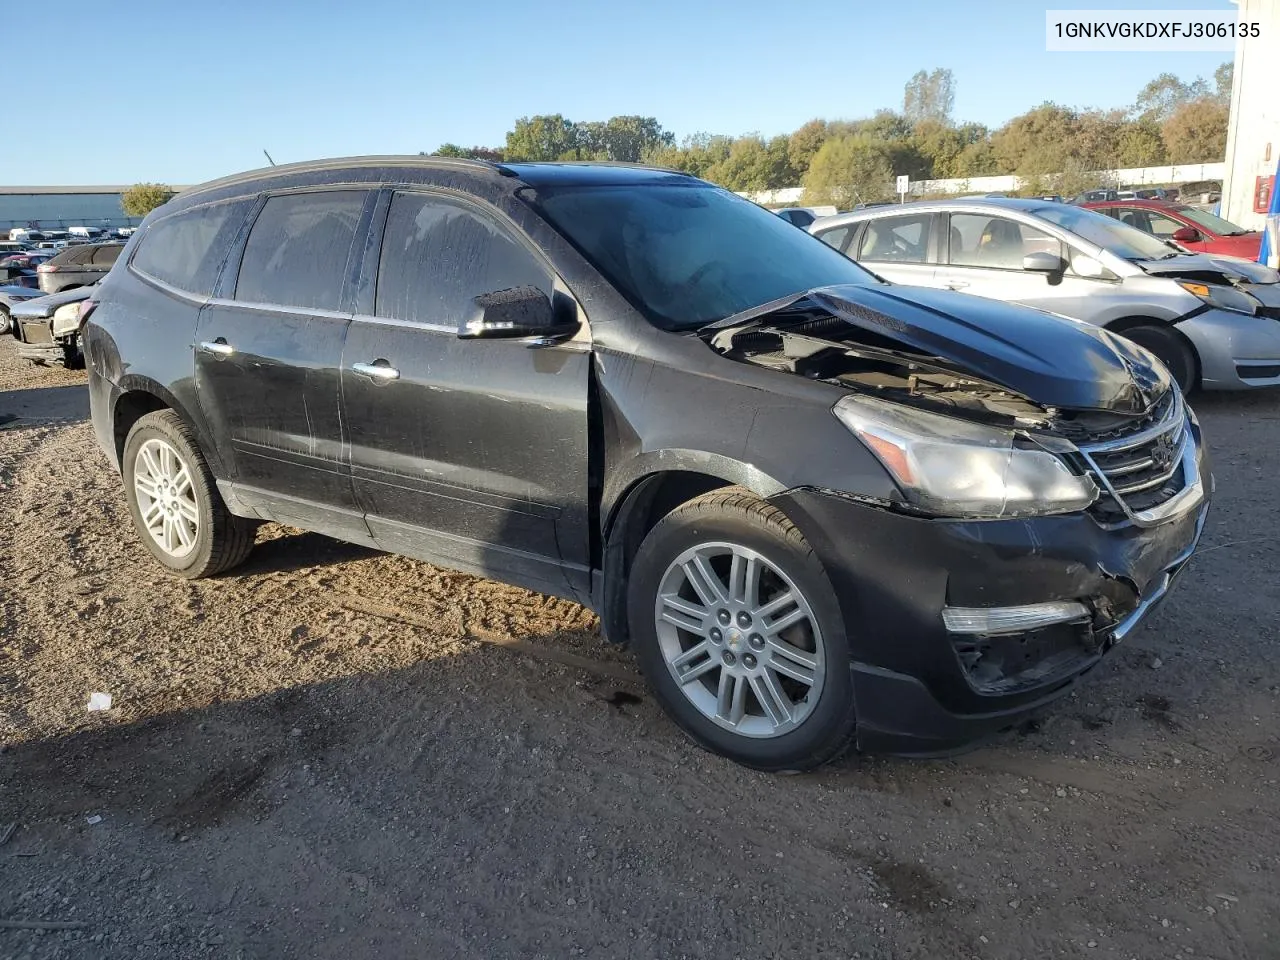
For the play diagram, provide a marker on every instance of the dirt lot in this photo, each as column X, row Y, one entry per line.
column 334, row 753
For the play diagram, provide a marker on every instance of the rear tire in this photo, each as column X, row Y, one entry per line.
column 754, row 666
column 174, row 502
column 6, row 321
column 1171, row 351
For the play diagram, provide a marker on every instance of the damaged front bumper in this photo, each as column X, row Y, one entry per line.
column 928, row 682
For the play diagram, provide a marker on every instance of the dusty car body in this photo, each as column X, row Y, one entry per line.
column 1212, row 321
column 78, row 265
column 47, row 328
column 657, row 399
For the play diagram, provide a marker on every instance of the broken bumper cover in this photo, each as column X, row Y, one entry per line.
column 921, row 688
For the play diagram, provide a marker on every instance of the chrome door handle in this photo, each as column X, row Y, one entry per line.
column 380, row 370
column 219, row 347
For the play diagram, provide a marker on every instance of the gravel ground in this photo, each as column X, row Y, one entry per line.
column 336, row 753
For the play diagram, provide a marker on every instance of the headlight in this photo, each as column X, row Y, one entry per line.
column 955, row 468
column 1224, row 298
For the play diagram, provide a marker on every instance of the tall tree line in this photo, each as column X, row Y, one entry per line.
column 846, row 161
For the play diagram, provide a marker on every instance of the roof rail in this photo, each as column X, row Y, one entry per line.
column 393, row 160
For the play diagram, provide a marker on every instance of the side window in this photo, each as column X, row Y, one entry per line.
column 438, row 254
column 896, row 239
column 1162, row 226
column 836, row 237
column 106, row 256
column 186, row 249
column 1112, row 212
column 297, row 251
column 981, row 240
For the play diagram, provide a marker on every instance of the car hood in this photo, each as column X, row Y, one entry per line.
column 45, row 306
column 1205, row 266
column 1053, row 361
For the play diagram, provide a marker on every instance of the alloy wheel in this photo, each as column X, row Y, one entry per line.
column 166, row 497
column 740, row 639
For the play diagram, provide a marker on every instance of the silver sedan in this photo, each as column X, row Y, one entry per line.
column 1215, row 322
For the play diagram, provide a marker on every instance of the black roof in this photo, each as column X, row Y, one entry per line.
column 394, row 169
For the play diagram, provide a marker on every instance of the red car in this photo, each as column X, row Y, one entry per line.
column 1184, row 225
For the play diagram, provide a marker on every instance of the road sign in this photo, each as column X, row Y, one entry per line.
column 904, row 184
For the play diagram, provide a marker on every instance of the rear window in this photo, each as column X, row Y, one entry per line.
column 186, row 249
column 297, row 251
column 106, row 256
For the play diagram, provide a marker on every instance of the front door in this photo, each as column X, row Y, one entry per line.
column 268, row 355
column 984, row 258
column 469, row 452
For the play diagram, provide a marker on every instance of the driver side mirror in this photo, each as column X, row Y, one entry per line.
column 1187, row 235
column 1043, row 262
column 513, row 314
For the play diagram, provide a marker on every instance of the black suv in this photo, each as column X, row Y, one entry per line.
column 821, row 508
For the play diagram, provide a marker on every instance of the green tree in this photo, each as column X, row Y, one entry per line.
column 1037, row 142
column 1141, row 145
column 942, row 146
column 930, row 96
column 978, row 159
column 142, row 198
column 468, row 153
column 1197, row 131
column 542, row 137
column 804, row 143
column 1166, row 93
column 629, row 138
column 1223, row 80
column 850, row 169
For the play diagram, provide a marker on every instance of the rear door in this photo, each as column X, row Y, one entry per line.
column 900, row 248
column 472, row 452
column 269, row 351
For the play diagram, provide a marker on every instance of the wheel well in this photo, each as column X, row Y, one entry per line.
column 130, row 408
column 639, row 510
column 1129, row 323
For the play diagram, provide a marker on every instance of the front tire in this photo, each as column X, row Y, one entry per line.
column 1171, row 351
column 175, row 505
column 739, row 634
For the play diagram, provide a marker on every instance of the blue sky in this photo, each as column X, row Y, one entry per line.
column 197, row 90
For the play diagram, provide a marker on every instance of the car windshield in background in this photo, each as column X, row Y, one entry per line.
column 1112, row 235
column 1223, row 228
column 689, row 255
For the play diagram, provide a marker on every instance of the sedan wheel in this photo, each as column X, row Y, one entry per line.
column 740, row 639
column 166, row 498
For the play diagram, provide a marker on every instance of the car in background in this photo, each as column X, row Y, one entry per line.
column 9, row 247
column 1212, row 322
column 1186, row 226
column 28, row 258
column 803, row 216
column 20, row 277
column 10, row 296
column 47, row 328
column 78, row 266
column 1091, row 196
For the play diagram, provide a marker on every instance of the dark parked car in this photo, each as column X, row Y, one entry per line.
column 29, row 259
column 47, row 327
column 821, row 508
column 78, row 266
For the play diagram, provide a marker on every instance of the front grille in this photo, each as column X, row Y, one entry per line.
column 1140, row 468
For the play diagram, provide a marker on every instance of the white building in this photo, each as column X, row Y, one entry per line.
column 1253, row 136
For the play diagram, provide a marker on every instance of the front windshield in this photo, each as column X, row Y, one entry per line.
column 1112, row 235
column 1223, row 228
column 687, row 254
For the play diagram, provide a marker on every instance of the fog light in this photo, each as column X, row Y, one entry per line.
column 1030, row 616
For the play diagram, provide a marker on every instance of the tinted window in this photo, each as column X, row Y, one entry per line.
column 106, row 256
column 437, row 255
column 186, row 249
column 896, row 239
column 981, row 240
column 685, row 253
column 297, row 250
column 836, row 237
